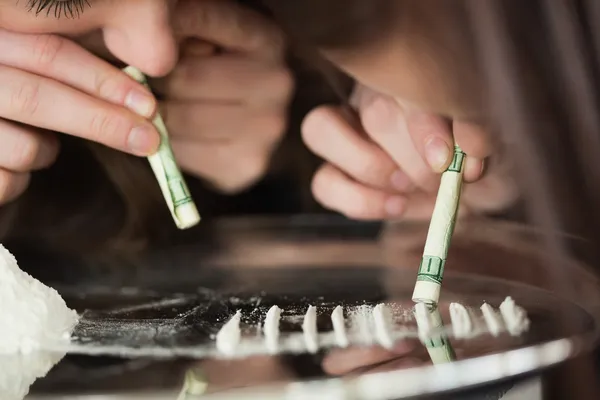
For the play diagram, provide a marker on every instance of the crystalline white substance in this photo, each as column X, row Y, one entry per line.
column 462, row 326
column 309, row 328
column 515, row 317
column 382, row 317
column 492, row 319
column 31, row 314
column 229, row 336
column 271, row 329
column 339, row 327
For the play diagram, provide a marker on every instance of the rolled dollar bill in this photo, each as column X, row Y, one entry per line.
column 169, row 176
column 432, row 335
column 441, row 227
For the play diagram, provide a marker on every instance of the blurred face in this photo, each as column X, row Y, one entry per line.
column 425, row 61
column 136, row 32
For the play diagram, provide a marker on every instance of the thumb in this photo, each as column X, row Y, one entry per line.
column 432, row 137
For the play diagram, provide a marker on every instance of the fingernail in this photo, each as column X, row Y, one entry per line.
column 394, row 206
column 401, row 182
column 143, row 140
column 140, row 103
column 437, row 153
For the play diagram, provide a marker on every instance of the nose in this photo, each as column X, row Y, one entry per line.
column 139, row 34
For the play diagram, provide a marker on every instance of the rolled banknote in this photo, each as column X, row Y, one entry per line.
column 171, row 182
column 441, row 227
column 432, row 335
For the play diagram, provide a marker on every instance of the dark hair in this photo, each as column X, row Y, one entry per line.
column 540, row 67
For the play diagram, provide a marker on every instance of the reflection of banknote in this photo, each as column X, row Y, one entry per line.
column 173, row 186
column 431, row 270
column 431, row 333
column 194, row 386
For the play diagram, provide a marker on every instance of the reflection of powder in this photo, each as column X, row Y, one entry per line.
column 462, row 325
column 515, row 317
column 382, row 317
column 31, row 314
column 492, row 319
column 271, row 329
column 229, row 336
column 339, row 326
column 309, row 328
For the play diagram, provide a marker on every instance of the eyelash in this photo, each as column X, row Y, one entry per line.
column 66, row 8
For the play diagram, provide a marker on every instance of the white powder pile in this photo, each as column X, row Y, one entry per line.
column 382, row 317
column 515, row 317
column 339, row 327
column 229, row 335
column 309, row 329
column 271, row 329
column 462, row 325
column 31, row 314
column 492, row 319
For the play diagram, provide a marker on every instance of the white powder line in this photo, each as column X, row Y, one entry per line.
column 339, row 327
column 309, row 329
column 492, row 319
column 423, row 320
column 462, row 325
column 515, row 317
column 271, row 329
column 382, row 318
column 229, row 335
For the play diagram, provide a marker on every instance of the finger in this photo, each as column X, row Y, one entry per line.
column 229, row 25
column 473, row 139
column 62, row 60
column 432, row 137
column 336, row 191
column 12, row 185
column 222, row 122
column 384, row 121
column 327, row 133
column 228, row 78
column 24, row 149
column 45, row 103
column 475, row 142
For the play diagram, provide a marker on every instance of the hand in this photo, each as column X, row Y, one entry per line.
column 48, row 83
column 390, row 166
column 226, row 100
